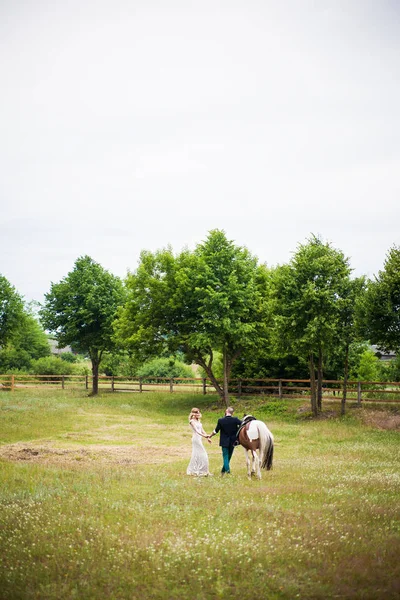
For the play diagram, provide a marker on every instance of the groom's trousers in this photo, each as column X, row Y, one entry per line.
column 227, row 452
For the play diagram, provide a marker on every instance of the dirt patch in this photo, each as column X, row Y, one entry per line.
column 46, row 453
column 381, row 419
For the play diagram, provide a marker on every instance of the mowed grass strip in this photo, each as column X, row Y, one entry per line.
column 95, row 502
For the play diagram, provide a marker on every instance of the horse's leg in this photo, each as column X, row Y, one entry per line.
column 248, row 452
column 247, row 462
column 257, row 464
column 253, row 462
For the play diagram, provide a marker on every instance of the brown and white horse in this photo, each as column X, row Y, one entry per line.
column 254, row 435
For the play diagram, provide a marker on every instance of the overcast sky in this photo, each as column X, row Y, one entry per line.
column 130, row 125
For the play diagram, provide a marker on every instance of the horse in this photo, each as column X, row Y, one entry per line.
column 254, row 435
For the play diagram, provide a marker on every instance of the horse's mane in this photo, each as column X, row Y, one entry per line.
column 247, row 419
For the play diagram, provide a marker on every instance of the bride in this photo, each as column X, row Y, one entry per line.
column 199, row 461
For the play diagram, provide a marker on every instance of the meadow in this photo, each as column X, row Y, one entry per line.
column 96, row 503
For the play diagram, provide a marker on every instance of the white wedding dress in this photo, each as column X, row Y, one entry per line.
column 199, row 461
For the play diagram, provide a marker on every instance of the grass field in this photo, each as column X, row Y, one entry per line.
column 95, row 502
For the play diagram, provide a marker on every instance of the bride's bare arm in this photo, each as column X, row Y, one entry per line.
column 205, row 435
column 202, row 433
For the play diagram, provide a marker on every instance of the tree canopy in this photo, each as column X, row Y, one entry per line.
column 379, row 311
column 198, row 302
column 81, row 308
column 218, row 307
column 27, row 342
column 310, row 297
column 11, row 310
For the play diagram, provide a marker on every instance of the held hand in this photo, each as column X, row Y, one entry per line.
column 209, row 439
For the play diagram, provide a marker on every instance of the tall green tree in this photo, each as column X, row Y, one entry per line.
column 197, row 302
column 27, row 342
column 269, row 359
column 379, row 310
column 81, row 308
column 347, row 333
column 11, row 310
column 309, row 302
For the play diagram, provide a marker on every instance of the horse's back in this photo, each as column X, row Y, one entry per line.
column 263, row 427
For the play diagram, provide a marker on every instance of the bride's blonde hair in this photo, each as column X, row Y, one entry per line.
column 194, row 413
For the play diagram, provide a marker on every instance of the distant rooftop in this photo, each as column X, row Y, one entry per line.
column 55, row 349
column 382, row 354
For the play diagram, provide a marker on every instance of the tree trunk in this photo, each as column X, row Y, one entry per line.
column 95, row 357
column 227, row 372
column 313, row 390
column 207, row 367
column 345, row 379
column 223, row 390
column 319, row 382
column 95, row 378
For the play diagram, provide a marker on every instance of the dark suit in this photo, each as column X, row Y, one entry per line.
column 227, row 427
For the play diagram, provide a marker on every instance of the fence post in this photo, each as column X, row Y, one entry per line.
column 63, row 381
column 359, row 392
column 140, row 384
column 204, row 386
column 86, row 382
column 280, row 389
column 112, row 383
column 239, row 388
column 171, row 385
column 12, row 382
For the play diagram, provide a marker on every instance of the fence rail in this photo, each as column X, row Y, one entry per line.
column 279, row 388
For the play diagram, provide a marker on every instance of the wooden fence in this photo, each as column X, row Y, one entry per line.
column 278, row 388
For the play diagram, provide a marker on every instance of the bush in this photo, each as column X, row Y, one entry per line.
column 51, row 365
column 69, row 357
column 27, row 342
column 119, row 363
column 165, row 367
column 14, row 360
column 391, row 369
column 368, row 368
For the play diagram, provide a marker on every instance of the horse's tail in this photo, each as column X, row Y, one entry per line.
column 266, row 446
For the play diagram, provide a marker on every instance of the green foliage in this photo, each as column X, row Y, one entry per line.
column 54, row 366
column 51, row 365
column 13, row 359
column 309, row 297
column 27, row 341
column 165, row 367
column 390, row 370
column 197, row 302
column 312, row 300
column 264, row 363
column 31, row 337
column 379, row 312
column 217, row 367
column 69, row 357
column 120, row 363
column 276, row 408
column 368, row 367
column 11, row 310
column 81, row 308
column 334, row 364
column 125, row 364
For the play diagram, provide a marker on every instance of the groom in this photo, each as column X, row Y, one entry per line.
column 228, row 427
